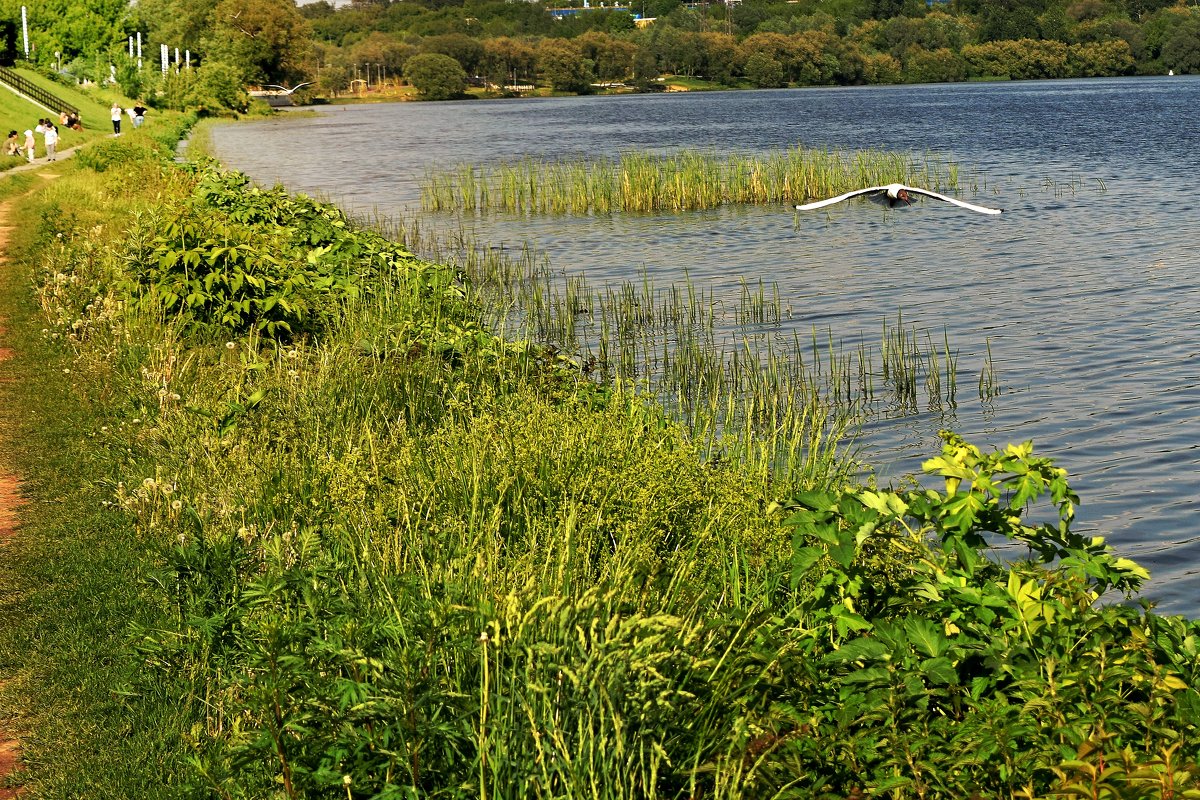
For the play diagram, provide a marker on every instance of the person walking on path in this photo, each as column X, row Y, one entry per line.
column 50, row 135
column 30, row 144
column 139, row 115
column 116, row 119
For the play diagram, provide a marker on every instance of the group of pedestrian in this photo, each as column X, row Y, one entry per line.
column 14, row 145
column 17, row 146
column 137, row 113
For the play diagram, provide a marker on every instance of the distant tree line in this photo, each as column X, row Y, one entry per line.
column 443, row 45
column 761, row 43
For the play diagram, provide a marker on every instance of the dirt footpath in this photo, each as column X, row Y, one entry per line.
column 10, row 497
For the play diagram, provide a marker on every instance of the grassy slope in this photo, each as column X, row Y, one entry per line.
column 17, row 113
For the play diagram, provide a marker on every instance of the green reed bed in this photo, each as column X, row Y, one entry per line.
column 675, row 341
column 681, row 181
column 384, row 552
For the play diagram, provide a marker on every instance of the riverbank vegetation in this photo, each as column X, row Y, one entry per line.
column 303, row 525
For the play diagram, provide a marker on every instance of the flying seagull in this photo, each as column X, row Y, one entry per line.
column 284, row 89
column 895, row 194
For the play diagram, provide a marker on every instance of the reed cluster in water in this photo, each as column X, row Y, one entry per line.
column 725, row 365
column 682, row 181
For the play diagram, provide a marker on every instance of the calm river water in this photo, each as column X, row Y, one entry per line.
column 1088, row 287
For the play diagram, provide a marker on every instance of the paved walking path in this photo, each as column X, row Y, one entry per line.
column 37, row 163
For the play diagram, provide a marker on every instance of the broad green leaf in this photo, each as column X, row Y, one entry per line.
column 940, row 671
column 869, row 675
column 843, row 554
column 926, row 636
column 803, row 559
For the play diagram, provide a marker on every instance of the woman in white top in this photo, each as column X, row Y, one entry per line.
column 116, row 119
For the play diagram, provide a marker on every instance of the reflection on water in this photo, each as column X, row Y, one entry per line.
column 1086, row 287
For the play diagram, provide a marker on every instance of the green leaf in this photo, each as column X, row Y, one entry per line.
column 926, row 636
column 940, row 671
column 803, row 559
column 1188, row 705
column 868, row 675
column 816, row 501
column 843, row 554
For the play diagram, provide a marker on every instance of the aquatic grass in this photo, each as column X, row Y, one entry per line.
column 729, row 368
column 687, row 180
column 989, row 383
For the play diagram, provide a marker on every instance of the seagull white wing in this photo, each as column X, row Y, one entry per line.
column 840, row 198
column 273, row 86
column 955, row 201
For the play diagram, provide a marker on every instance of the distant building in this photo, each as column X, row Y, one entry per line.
column 563, row 13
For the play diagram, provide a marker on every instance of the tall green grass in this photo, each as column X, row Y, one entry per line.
column 682, row 181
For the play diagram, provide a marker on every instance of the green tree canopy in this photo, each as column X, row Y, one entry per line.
column 436, row 76
column 763, row 71
column 562, row 65
column 267, row 39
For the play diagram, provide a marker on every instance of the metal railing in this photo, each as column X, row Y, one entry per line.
column 35, row 93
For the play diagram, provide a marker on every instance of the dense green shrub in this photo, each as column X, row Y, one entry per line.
column 107, row 154
column 238, row 258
